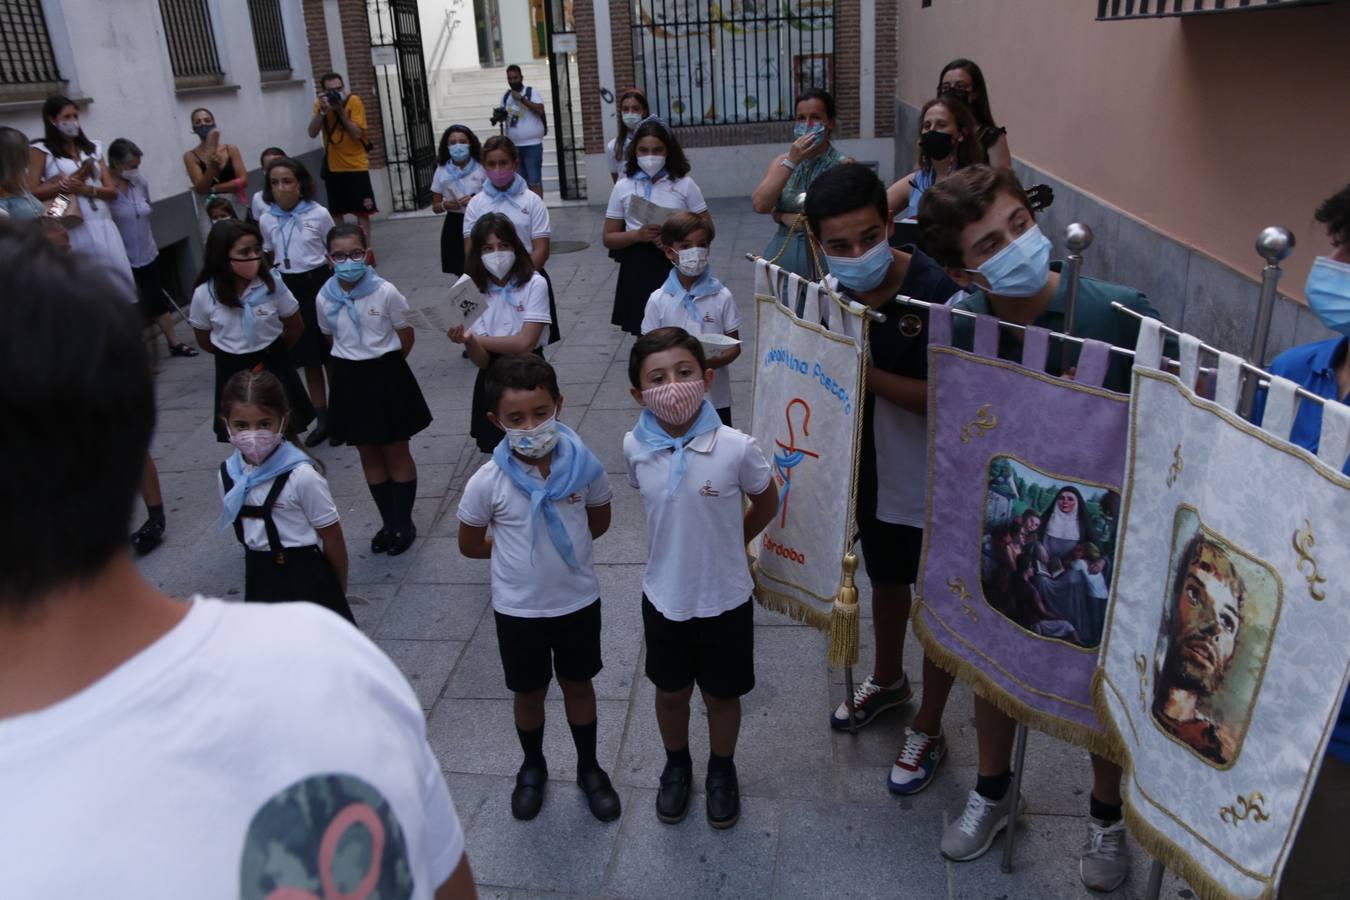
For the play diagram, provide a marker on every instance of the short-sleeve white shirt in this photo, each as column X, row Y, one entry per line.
column 696, row 562
column 615, row 164
column 529, row 577
column 214, row 711
column 678, row 193
column 304, row 505
column 226, row 323
column 527, row 304
column 470, row 182
column 381, row 313
column 257, row 205
column 525, row 210
column 303, row 240
column 716, row 315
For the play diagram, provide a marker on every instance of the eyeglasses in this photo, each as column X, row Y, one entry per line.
column 354, row 256
column 254, row 256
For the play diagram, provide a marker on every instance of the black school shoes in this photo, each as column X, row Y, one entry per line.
column 528, row 796
column 672, row 800
column 600, row 794
column 724, row 799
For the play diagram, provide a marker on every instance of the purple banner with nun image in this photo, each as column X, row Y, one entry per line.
column 1025, row 471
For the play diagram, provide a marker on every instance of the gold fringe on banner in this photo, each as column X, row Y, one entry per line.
column 778, row 602
column 1096, row 742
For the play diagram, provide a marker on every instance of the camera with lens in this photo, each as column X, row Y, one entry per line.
column 499, row 115
column 334, row 98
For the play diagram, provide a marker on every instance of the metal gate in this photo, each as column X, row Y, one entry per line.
column 401, row 73
column 562, row 45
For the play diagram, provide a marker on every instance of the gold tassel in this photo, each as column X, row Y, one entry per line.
column 844, row 619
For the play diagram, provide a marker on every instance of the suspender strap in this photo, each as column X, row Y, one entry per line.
column 263, row 512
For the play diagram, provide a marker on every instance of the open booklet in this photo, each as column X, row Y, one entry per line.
column 647, row 212
column 460, row 306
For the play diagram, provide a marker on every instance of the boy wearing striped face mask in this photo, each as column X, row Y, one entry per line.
column 694, row 474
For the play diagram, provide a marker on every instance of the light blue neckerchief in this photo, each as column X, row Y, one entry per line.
column 286, row 457
column 640, row 175
column 457, row 174
column 287, row 222
column 513, row 190
column 256, row 294
column 706, row 285
column 502, row 290
column 572, row 468
column 337, row 298
column 654, row 438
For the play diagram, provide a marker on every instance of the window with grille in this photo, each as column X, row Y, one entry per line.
column 192, row 43
column 1150, row 9
column 269, row 38
column 25, row 48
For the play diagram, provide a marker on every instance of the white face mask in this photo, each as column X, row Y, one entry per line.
column 536, row 442
column 651, row 164
column 692, row 261
column 69, row 127
column 631, row 120
column 499, row 262
column 132, row 175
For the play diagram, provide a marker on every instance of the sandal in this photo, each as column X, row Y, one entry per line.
column 181, row 349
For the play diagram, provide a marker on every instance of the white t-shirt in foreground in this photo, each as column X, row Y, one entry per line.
column 253, row 747
column 696, row 563
column 716, row 315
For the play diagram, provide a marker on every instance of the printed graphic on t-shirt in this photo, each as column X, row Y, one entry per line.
column 325, row 836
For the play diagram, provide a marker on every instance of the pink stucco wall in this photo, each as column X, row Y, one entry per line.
column 1206, row 128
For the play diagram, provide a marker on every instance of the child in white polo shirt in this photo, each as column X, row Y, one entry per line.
column 694, row 473
column 693, row 299
column 546, row 498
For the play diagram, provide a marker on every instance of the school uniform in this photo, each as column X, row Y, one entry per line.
column 278, row 526
column 297, row 242
column 528, row 213
column 454, row 182
column 131, row 212
column 696, row 610
column 373, row 395
column 547, row 611
column 256, row 207
column 714, row 312
column 508, row 309
column 243, row 341
column 642, row 267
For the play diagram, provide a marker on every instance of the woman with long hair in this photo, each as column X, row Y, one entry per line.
column 962, row 79
column 947, row 142
column 633, row 108
column 16, row 201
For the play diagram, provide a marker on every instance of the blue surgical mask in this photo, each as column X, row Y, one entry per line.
column 1328, row 290
column 1020, row 269
column 350, row 270
column 861, row 274
column 803, row 128
column 459, row 152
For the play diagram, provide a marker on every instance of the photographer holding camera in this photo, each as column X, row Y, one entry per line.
column 346, row 163
column 522, row 112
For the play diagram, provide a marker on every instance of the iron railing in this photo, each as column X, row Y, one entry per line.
column 405, row 102
column 1149, row 9
column 25, row 47
column 704, row 62
column 191, row 41
column 269, row 36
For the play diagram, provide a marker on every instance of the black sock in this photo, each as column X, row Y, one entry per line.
column 155, row 513
column 1110, row 813
column 680, row 759
column 405, row 495
column 721, row 764
column 584, row 737
column 532, row 742
column 320, row 417
column 384, row 501
column 993, row 787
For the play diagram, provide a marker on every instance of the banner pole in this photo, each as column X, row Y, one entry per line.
column 1019, row 756
column 1155, row 879
column 1273, row 244
column 848, row 698
column 1077, row 238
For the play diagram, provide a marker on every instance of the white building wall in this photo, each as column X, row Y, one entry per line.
column 449, row 38
column 517, row 41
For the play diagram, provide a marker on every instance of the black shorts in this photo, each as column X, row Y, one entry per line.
column 534, row 648
column 718, row 652
column 350, row 193
column 890, row 552
column 150, row 291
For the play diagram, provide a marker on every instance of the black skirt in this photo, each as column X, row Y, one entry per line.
column 484, row 433
column 553, row 334
column 150, row 290
column 297, row 573
column 374, row 401
column 642, row 269
column 452, row 244
column 274, row 359
column 310, row 350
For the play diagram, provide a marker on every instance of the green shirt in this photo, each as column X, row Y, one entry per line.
column 1094, row 318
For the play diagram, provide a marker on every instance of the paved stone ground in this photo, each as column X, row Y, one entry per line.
column 817, row 819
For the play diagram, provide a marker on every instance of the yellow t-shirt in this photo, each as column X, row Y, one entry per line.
column 345, row 153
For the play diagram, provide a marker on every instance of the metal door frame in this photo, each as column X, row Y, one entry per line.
column 410, row 157
column 567, row 138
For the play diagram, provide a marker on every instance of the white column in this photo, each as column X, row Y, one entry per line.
column 867, row 70
column 337, row 50
column 604, row 49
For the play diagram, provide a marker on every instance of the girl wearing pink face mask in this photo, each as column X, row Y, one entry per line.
column 244, row 317
column 278, row 502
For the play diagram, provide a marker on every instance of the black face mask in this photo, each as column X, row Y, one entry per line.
column 203, row 131
column 960, row 93
column 516, row 85
column 936, row 144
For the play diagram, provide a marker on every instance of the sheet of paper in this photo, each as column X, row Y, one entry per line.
column 647, row 212
column 460, row 306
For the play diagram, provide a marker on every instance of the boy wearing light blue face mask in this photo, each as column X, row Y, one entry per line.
column 546, row 498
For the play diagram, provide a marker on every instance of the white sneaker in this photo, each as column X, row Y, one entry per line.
column 971, row 836
column 870, row 699
column 1105, row 861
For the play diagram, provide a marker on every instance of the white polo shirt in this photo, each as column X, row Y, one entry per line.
column 716, row 315
column 525, row 210
column 529, row 303
column 226, row 323
column 470, row 182
column 303, row 240
column 381, row 314
column 696, row 562
column 615, row 163
column 304, row 505
column 680, row 193
column 258, row 205
column 533, row 581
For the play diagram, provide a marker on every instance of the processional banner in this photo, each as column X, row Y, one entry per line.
column 1227, row 646
column 1024, row 479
